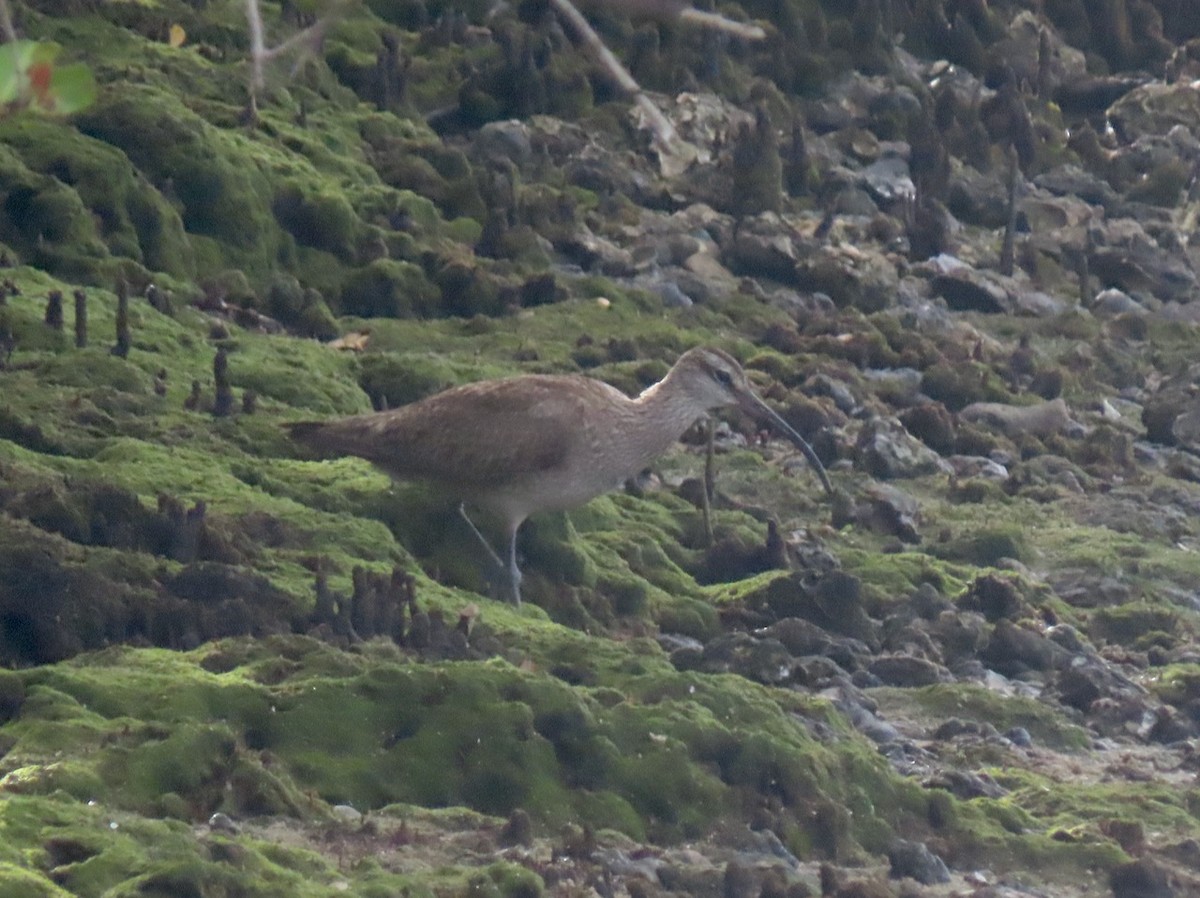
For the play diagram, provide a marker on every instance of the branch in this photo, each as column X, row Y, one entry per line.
column 6, row 23
column 258, row 51
column 677, row 9
column 720, row 23
column 308, row 39
column 261, row 54
column 664, row 131
column 666, row 140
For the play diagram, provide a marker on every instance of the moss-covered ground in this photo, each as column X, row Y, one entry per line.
column 178, row 714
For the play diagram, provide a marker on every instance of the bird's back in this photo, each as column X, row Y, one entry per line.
column 478, row 437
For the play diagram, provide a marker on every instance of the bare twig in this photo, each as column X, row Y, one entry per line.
column 667, row 10
column 6, row 23
column 258, row 53
column 308, row 39
column 720, row 23
column 261, row 54
column 664, row 131
column 665, row 136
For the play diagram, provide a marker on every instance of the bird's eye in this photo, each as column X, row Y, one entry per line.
column 724, row 377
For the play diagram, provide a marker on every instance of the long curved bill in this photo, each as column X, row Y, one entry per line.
column 752, row 405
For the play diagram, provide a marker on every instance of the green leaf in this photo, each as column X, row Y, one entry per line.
column 14, row 60
column 73, row 87
column 30, row 79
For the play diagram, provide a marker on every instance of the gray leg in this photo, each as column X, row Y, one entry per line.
column 505, row 577
column 514, row 572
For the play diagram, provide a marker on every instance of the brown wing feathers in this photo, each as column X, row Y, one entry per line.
column 485, row 434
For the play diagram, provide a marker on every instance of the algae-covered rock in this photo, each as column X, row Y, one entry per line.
column 389, row 289
column 131, row 215
column 220, row 192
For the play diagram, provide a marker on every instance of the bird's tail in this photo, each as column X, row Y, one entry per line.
column 313, row 434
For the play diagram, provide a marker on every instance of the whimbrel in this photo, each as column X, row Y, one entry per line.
column 539, row 442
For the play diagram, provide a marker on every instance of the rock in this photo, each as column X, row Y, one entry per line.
column 1013, row 650
column 914, row 860
column 978, row 199
column 1084, row 95
column 1038, row 55
column 595, row 253
column 518, row 829
column 965, row 784
column 1173, row 399
column 966, row 289
column 1072, row 182
column 619, row 863
column 1076, row 689
column 1036, row 304
column 994, row 597
column 1019, row 736
column 1129, row 258
column 799, row 636
column 508, row 140
column 834, row 602
column 887, row 451
column 977, row 466
column 763, row 247
column 932, row 424
column 761, row 660
column 708, row 268
column 855, row 277
column 1142, row 878
column 1041, row 420
column 1112, row 302
column 1052, row 470
column 1154, row 108
column 908, row 671
column 867, row 722
column 891, row 511
column 220, row 822
column 1185, row 429
column 670, row 293
column 902, row 386
column 888, row 180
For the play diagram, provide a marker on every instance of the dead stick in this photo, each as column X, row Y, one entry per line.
column 664, row 131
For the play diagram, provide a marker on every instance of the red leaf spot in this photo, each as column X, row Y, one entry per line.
column 39, row 82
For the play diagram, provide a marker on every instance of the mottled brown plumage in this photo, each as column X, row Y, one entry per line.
column 538, row 443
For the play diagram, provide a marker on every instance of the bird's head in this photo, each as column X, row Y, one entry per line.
column 714, row 379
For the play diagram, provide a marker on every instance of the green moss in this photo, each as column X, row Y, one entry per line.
column 981, row 705
column 433, row 170
column 898, row 574
column 1126, row 624
column 220, row 195
column 395, row 379
column 131, row 217
column 322, row 221
column 18, row 882
column 299, row 374
column 45, row 221
column 389, row 289
column 957, row 386
column 1178, row 683
column 986, row 547
column 91, row 368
